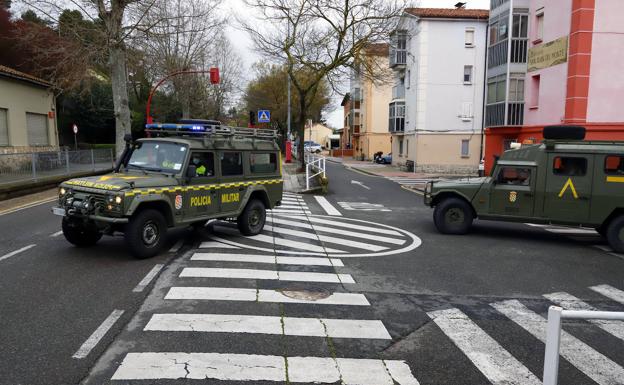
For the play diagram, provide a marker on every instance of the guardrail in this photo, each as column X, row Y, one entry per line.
column 34, row 166
column 315, row 165
column 553, row 335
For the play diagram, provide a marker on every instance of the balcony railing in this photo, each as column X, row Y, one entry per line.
column 495, row 114
column 497, row 3
column 398, row 57
column 396, row 122
column 497, row 54
column 515, row 113
column 519, row 47
column 398, row 92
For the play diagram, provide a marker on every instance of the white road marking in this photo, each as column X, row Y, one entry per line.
column 299, row 276
column 290, row 326
column 394, row 241
column 148, row 278
column 360, row 184
column 294, row 211
column 610, row 292
column 98, row 334
column 27, row 206
column 178, row 245
column 363, row 206
column 352, row 226
column 14, row 253
column 283, row 242
column 214, row 244
column 496, row 363
column 263, row 258
column 325, row 238
column 329, row 209
column 253, row 295
column 570, row 302
column 57, row 233
column 248, row 367
column 594, row 364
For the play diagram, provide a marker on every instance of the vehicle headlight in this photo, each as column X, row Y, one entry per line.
column 62, row 191
column 118, row 199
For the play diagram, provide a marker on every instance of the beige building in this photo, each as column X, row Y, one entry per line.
column 317, row 133
column 370, row 105
column 27, row 113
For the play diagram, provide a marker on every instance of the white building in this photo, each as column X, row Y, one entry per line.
column 436, row 113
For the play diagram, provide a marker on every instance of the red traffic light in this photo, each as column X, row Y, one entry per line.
column 214, row 75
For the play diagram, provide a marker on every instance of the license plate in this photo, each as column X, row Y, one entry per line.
column 58, row 211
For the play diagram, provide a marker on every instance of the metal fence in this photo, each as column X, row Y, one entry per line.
column 315, row 165
column 38, row 165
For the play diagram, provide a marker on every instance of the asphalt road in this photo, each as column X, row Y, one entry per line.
column 374, row 295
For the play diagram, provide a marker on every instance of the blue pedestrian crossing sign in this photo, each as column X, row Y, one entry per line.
column 264, row 116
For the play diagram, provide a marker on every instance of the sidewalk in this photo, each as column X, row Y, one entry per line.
column 387, row 170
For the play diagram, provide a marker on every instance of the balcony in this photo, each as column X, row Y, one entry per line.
column 398, row 48
column 398, row 92
column 396, row 122
column 519, row 46
column 497, row 3
column 495, row 114
column 356, row 95
column 497, row 54
column 398, row 57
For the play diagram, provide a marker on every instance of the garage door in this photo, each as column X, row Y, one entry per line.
column 37, row 125
column 4, row 128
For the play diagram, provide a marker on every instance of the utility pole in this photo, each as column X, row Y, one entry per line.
column 288, row 113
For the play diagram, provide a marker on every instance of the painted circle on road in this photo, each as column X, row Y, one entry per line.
column 319, row 235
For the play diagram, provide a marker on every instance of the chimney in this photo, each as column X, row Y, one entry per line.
column 460, row 5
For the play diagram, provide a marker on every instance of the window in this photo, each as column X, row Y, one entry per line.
column 514, row 176
column 400, row 147
column 231, row 163
column 263, row 163
column 466, row 113
column 406, row 147
column 4, row 128
column 467, row 74
column 520, row 26
column 493, row 33
column 516, row 90
column 535, row 91
column 569, row 166
column 37, row 128
column 614, row 165
column 396, row 117
column 496, row 89
column 158, row 156
column 465, row 148
column 204, row 163
column 469, row 38
column 408, row 79
column 539, row 26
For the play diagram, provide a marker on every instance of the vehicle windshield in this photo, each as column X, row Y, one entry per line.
column 158, row 156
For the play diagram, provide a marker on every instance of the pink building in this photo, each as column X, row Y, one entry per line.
column 578, row 78
column 574, row 72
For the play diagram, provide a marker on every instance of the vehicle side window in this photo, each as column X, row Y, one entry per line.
column 614, row 165
column 263, row 163
column 514, row 176
column 565, row 165
column 204, row 163
column 231, row 163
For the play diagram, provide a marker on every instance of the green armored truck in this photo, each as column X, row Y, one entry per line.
column 564, row 181
column 185, row 174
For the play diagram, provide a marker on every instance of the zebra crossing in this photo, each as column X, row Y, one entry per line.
column 408, row 181
column 293, row 204
column 363, row 206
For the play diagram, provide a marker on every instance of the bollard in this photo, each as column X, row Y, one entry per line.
column 33, row 164
column 553, row 341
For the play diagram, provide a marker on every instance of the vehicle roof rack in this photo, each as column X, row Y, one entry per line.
column 208, row 128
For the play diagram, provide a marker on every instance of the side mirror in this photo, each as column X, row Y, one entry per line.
column 191, row 171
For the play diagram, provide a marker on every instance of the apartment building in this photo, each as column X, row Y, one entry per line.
column 370, row 95
column 436, row 112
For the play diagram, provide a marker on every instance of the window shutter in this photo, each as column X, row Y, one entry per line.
column 466, row 111
column 4, row 128
column 37, row 127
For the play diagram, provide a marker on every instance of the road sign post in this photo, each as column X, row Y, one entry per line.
column 264, row 116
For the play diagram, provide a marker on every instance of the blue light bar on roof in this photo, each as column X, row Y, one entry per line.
column 180, row 127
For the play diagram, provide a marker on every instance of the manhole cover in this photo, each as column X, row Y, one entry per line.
column 308, row 295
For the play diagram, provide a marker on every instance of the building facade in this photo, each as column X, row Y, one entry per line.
column 574, row 72
column 369, row 101
column 506, row 62
column 436, row 112
column 27, row 113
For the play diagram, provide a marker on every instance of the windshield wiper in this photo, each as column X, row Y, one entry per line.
column 137, row 167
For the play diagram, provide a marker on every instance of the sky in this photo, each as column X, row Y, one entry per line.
column 244, row 46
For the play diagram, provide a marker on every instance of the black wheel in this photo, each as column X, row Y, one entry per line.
column 79, row 233
column 453, row 216
column 615, row 234
column 602, row 230
column 251, row 221
column 199, row 225
column 146, row 233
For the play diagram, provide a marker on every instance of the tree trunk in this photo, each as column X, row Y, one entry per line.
column 120, row 96
column 303, row 111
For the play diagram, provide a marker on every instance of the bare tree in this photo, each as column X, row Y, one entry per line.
column 319, row 38
column 179, row 35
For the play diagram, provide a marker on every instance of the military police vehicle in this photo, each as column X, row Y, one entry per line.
column 185, row 174
column 564, row 181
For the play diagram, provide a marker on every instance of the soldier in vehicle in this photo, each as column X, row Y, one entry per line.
column 200, row 161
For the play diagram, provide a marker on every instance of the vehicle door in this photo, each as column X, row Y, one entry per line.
column 232, row 180
column 201, row 194
column 265, row 166
column 513, row 191
column 568, row 187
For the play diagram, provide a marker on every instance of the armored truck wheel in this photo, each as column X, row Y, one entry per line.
column 615, row 234
column 146, row 233
column 252, row 219
column 453, row 216
column 80, row 234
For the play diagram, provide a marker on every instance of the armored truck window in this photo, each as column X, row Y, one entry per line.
column 564, row 165
column 231, row 163
column 203, row 162
column 614, row 165
column 158, row 156
column 263, row 163
column 514, row 176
